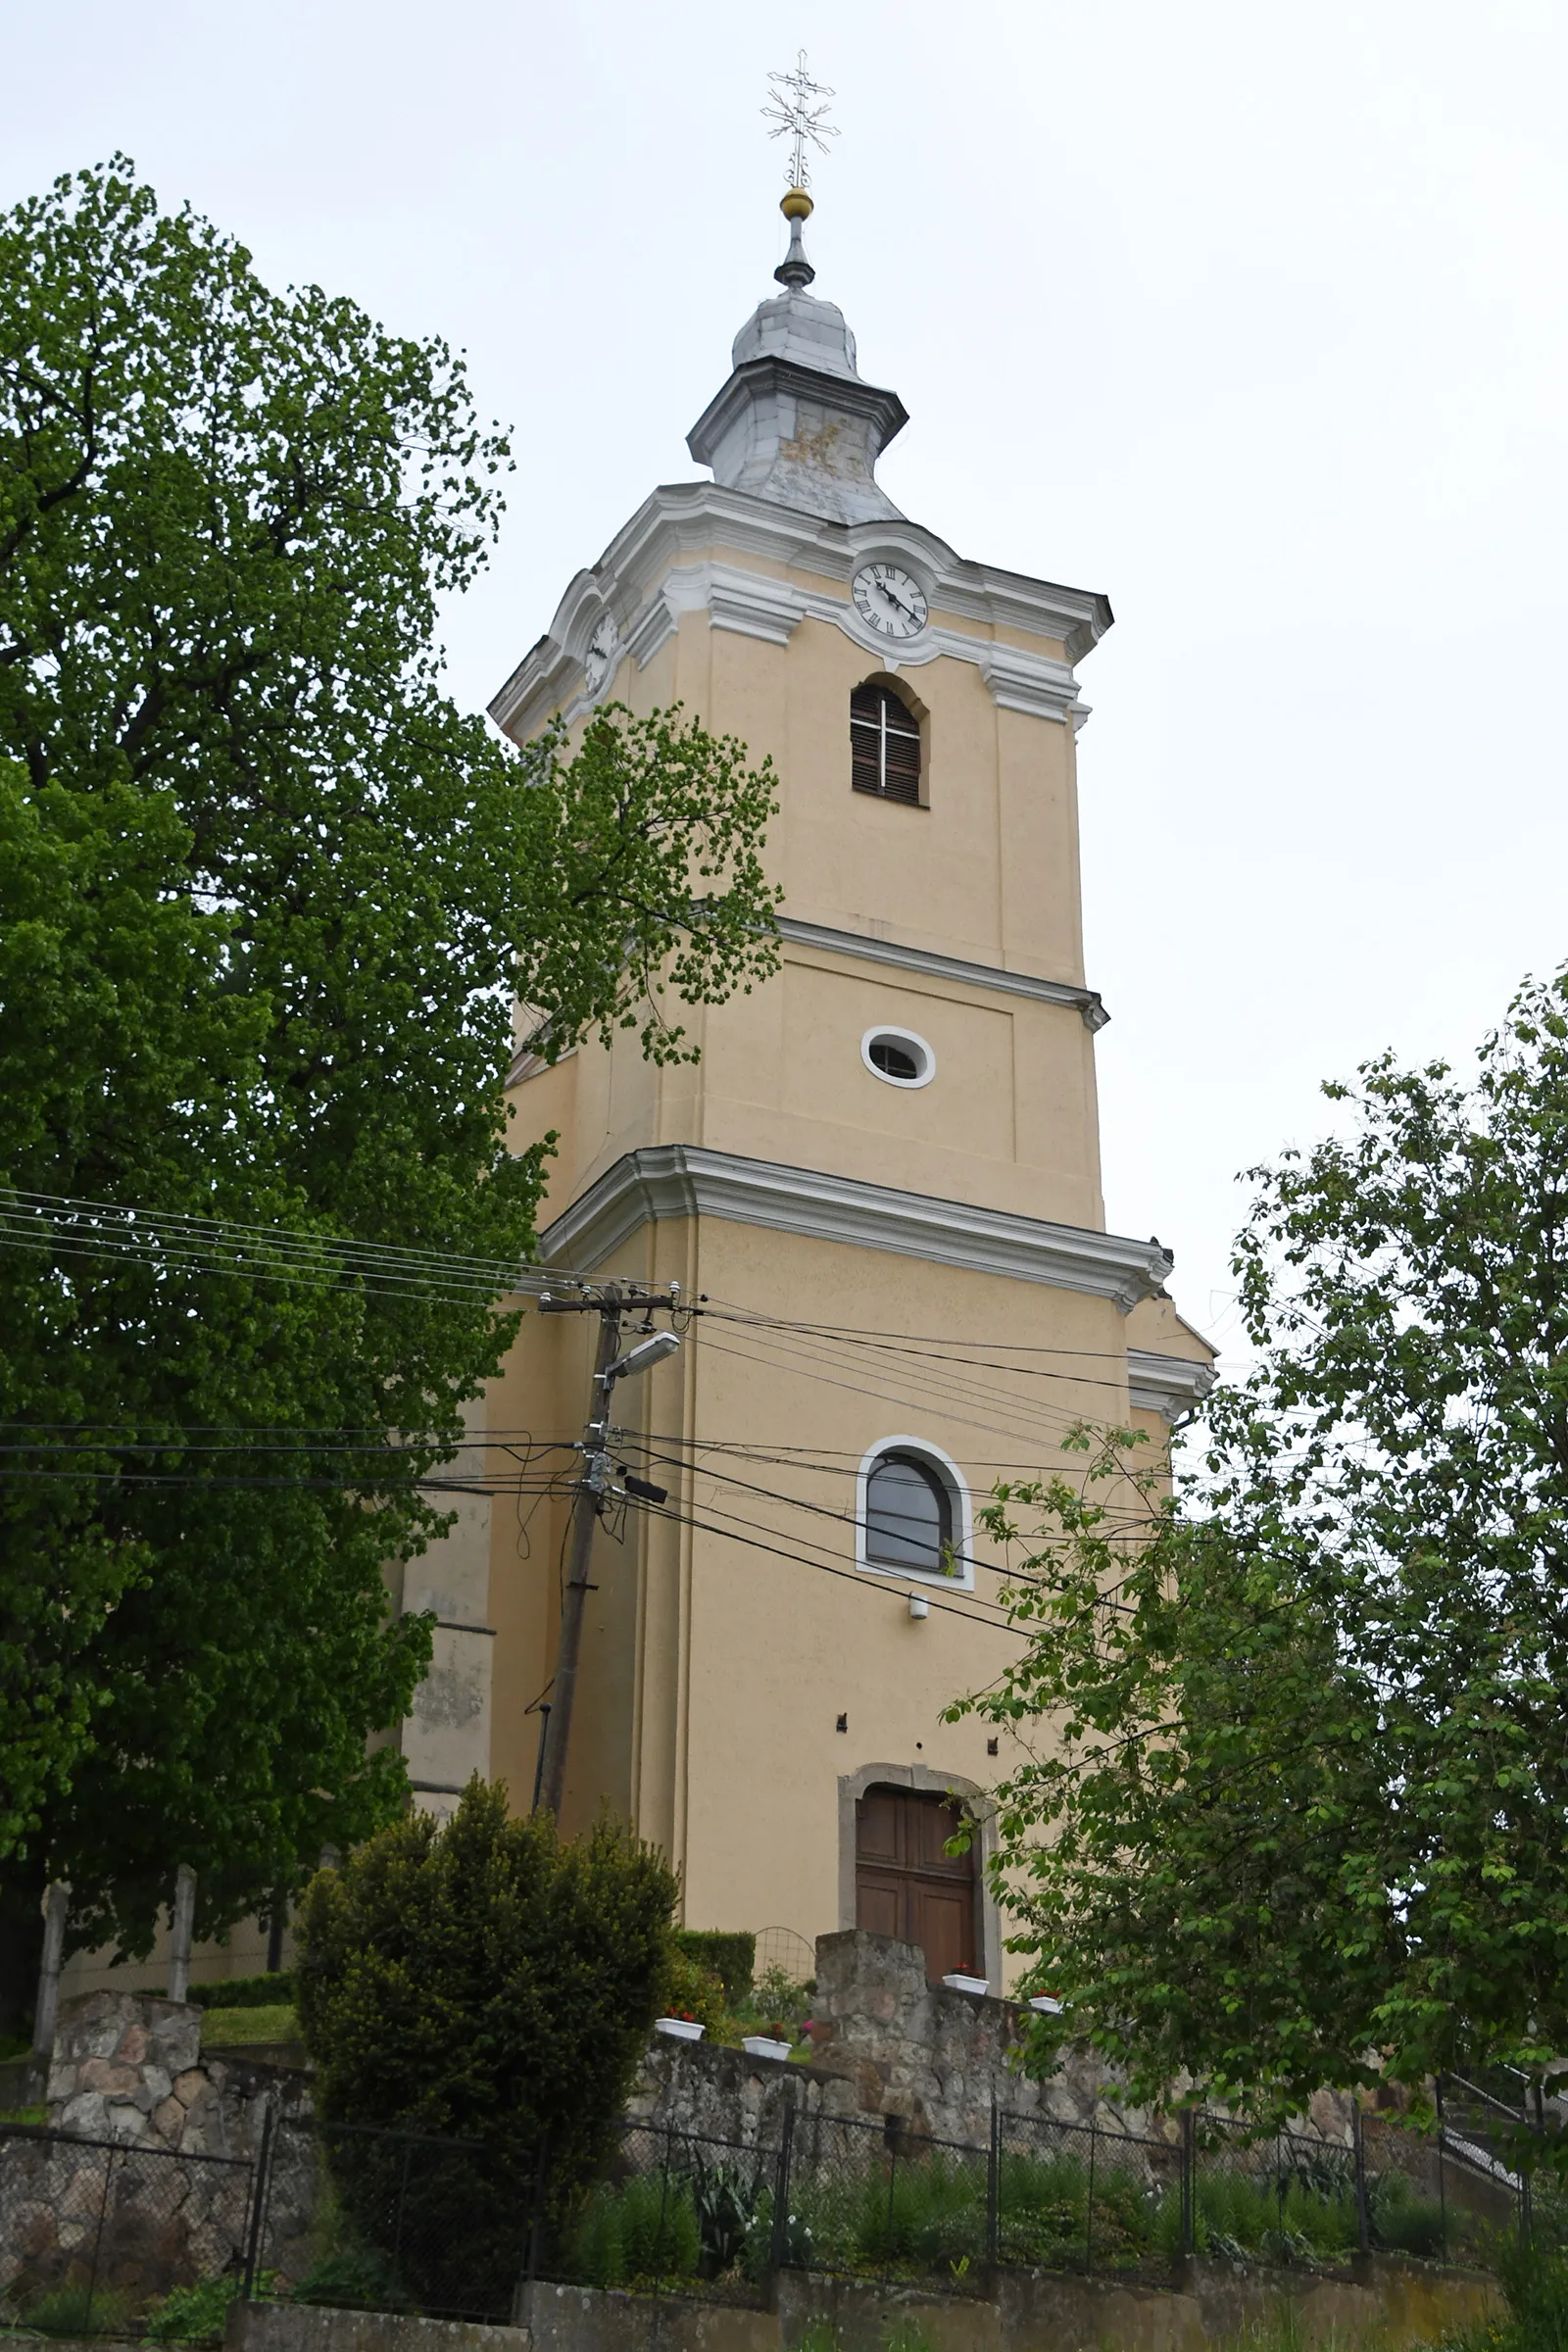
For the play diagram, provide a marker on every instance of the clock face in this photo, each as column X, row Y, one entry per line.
column 599, row 654
column 891, row 601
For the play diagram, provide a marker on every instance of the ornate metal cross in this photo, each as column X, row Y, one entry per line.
column 792, row 113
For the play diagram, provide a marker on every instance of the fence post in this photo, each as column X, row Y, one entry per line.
column 260, row 2188
column 779, row 2245
column 1363, row 2220
column 114, row 2157
column 1187, row 2137
column 536, row 2228
column 56, row 1911
column 994, row 2188
column 402, row 2192
column 182, row 1924
column 663, row 2209
column 891, row 2140
column 536, row 2218
column 1089, row 2210
column 1442, row 2187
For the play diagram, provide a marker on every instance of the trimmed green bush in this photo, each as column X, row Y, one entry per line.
column 486, row 1981
column 727, row 1954
column 247, row 1993
column 689, row 1989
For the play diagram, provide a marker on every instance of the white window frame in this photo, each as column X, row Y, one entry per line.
column 952, row 1477
column 924, row 1052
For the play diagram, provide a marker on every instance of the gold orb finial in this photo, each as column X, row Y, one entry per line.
column 796, row 205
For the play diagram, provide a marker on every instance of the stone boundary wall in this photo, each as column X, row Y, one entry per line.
column 129, row 2067
column 885, row 2041
column 1397, row 2305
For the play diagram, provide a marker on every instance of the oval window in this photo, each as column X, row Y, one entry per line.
column 899, row 1056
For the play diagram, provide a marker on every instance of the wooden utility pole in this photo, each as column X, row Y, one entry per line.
column 610, row 1302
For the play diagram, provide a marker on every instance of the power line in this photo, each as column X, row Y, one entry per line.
column 854, row 1330
column 62, row 1225
column 882, row 1395
column 855, row 1576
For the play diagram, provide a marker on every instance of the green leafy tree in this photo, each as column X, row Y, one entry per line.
column 1296, row 1810
column 486, row 1981
column 266, row 899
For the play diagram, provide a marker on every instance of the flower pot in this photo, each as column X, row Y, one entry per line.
column 966, row 1984
column 763, row 2046
column 1048, row 2005
column 682, row 2028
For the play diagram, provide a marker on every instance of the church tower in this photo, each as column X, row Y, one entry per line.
column 883, row 1175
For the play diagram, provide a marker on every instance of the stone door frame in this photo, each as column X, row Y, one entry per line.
column 976, row 1802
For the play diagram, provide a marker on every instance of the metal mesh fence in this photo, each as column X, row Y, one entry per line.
column 1288, row 2196
column 874, row 2199
column 392, row 2220
column 94, row 2231
column 1085, row 2196
column 680, row 2213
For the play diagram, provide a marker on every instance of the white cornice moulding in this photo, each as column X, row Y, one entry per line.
column 666, row 1181
column 946, row 967
column 1171, row 1384
column 684, row 519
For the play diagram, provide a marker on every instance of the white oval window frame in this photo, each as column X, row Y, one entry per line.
column 923, row 1051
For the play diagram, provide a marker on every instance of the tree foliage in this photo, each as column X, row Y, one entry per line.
column 488, row 1981
column 266, row 897
column 1299, row 1812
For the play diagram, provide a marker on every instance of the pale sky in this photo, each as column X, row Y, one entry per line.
column 1251, row 317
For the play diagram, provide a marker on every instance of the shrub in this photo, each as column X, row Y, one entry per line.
column 729, row 1956
column 1402, row 2222
column 352, row 2278
column 196, row 2314
column 247, row 1993
column 1534, row 2280
column 481, row 1979
column 689, row 1989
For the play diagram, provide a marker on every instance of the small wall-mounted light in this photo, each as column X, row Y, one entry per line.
column 843, row 1723
column 991, row 1745
column 919, row 1606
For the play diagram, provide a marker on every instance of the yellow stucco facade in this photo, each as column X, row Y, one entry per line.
column 922, row 1267
column 922, row 1263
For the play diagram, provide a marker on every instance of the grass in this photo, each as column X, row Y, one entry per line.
column 75, row 2310
column 641, row 2233
column 232, row 2029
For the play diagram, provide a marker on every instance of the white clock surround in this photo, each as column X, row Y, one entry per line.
column 661, row 565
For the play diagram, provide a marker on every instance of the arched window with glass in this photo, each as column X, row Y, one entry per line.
column 913, row 1513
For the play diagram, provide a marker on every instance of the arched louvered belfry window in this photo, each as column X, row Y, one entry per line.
column 885, row 744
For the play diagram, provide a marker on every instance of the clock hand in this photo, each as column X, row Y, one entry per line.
column 897, row 601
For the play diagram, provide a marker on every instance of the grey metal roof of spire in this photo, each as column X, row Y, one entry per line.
column 797, row 423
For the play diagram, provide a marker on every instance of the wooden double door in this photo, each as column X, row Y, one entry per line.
column 906, row 1886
